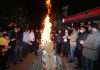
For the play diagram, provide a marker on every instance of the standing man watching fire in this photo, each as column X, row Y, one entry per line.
column 91, row 48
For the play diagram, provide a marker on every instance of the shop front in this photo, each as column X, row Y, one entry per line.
column 92, row 15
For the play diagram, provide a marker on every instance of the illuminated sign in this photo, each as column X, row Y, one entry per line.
column 83, row 15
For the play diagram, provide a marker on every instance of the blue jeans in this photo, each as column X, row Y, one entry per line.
column 72, row 50
column 87, row 63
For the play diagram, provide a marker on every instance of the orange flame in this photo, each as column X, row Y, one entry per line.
column 48, row 5
column 47, row 27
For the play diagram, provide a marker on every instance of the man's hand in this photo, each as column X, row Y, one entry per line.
column 82, row 42
column 7, row 47
column 13, row 39
column 29, row 43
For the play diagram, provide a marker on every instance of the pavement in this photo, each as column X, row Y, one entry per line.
column 28, row 61
column 25, row 65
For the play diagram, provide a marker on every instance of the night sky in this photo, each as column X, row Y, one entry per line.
column 37, row 10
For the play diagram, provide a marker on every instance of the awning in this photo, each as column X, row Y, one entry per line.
column 86, row 15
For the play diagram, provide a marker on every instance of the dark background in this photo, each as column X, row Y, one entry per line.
column 35, row 10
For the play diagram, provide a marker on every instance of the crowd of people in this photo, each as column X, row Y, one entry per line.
column 76, row 43
column 16, row 44
column 80, row 45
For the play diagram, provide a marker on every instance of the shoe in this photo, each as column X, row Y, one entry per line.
column 21, row 60
column 76, row 64
column 25, row 56
column 62, row 56
column 78, row 68
column 67, row 57
column 7, row 67
column 70, row 61
column 33, row 52
column 15, row 63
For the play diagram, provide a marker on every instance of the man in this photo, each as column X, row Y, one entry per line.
column 4, row 50
column 32, row 40
column 73, row 43
column 59, row 40
column 19, row 44
column 16, row 43
column 82, row 36
column 26, row 42
column 91, row 48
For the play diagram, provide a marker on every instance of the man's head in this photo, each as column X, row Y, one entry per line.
column 59, row 31
column 82, row 29
column 66, row 30
column 32, row 30
column 94, row 27
column 37, row 30
column 89, row 27
column 16, row 29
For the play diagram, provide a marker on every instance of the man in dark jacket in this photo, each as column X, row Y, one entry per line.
column 82, row 36
column 59, row 41
column 16, row 43
column 91, row 48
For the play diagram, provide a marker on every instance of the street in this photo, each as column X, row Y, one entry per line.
column 28, row 61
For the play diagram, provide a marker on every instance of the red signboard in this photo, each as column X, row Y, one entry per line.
column 83, row 15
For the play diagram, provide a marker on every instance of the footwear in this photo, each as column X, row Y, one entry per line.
column 15, row 63
column 76, row 64
column 78, row 68
column 66, row 56
column 7, row 67
column 21, row 60
column 33, row 52
column 62, row 56
column 70, row 61
column 25, row 56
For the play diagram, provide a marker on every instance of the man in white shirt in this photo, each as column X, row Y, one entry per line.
column 32, row 36
column 26, row 38
column 26, row 41
column 32, row 40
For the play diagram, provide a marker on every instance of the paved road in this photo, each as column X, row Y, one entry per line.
column 25, row 65
column 28, row 61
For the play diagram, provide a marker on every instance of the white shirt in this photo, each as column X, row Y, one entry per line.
column 32, row 36
column 26, row 37
column 65, row 40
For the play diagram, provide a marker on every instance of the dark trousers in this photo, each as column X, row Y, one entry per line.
column 32, row 47
column 3, row 60
column 87, row 63
column 97, row 64
column 58, row 48
column 79, row 57
column 36, row 48
column 65, row 49
column 26, row 49
column 18, row 53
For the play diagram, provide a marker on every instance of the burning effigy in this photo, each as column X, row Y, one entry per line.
column 48, row 56
column 47, row 59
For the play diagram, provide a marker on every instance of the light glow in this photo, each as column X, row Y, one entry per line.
column 47, row 25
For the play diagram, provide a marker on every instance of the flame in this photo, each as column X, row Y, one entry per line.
column 48, row 5
column 47, row 27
